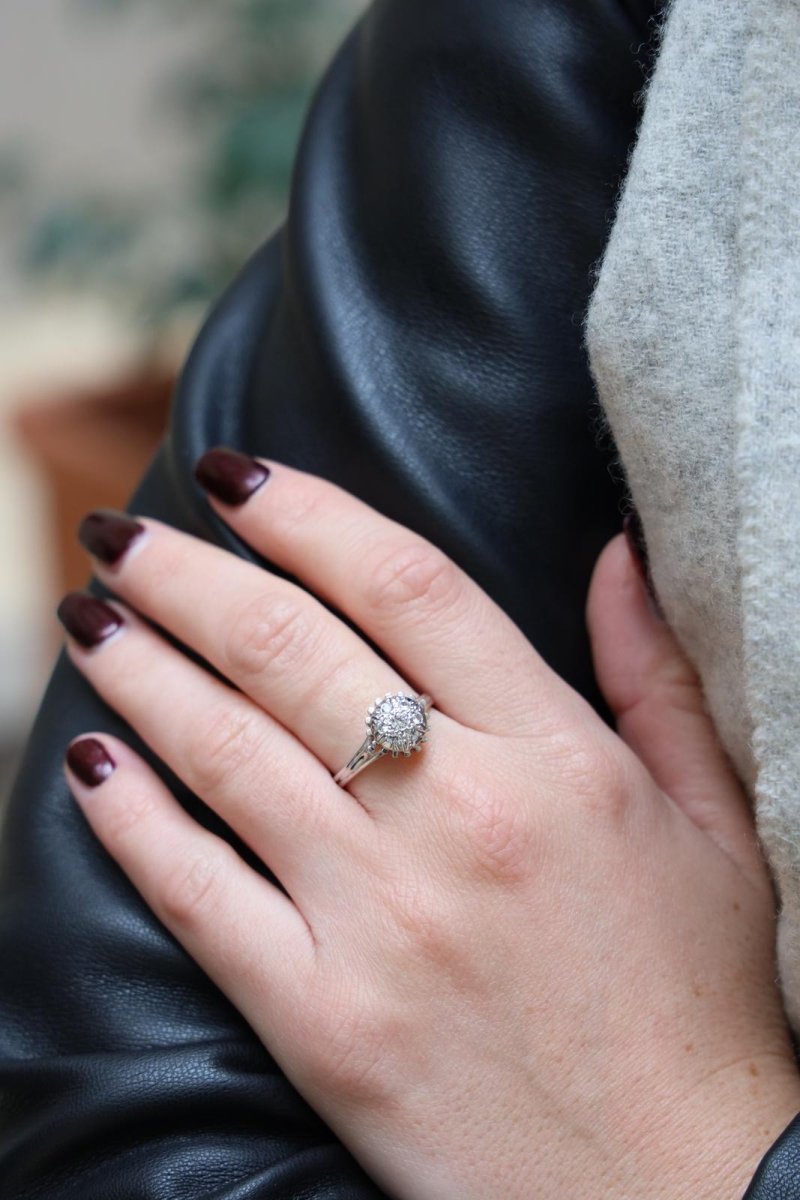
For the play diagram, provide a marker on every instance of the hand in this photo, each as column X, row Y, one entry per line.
column 534, row 959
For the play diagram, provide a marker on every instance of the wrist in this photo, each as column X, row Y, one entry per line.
column 727, row 1130
column 778, row 1173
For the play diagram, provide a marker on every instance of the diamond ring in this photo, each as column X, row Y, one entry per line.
column 396, row 724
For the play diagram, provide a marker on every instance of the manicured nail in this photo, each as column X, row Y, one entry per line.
column 107, row 534
column 90, row 761
column 230, row 476
column 88, row 619
column 632, row 528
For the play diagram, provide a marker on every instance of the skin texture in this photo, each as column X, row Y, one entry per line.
column 535, row 959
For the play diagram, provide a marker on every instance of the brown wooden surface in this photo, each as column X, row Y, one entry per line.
column 91, row 447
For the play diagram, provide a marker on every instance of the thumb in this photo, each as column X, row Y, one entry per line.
column 657, row 699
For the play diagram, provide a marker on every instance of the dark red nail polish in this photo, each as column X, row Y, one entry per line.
column 230, row 476
column 632, row 528
column 88, row 619
column 107, row 534
column 90, row 761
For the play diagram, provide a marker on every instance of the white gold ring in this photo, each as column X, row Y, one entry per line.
column 397, row 724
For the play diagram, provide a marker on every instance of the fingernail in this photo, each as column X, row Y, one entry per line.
column 230, row 476
column 632, row 528
column 88, row 619
column 107, row 534
column 90, row 761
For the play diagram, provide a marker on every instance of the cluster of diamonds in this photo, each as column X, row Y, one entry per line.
column 398, row 723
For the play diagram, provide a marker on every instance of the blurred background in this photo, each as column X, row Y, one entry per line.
column 145, row 151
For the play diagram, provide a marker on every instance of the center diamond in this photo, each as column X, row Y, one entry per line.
column 398, row 723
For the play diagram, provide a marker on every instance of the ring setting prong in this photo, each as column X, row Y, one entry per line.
column 397, row 723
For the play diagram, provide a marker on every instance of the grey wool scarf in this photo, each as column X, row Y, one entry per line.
column 693, row 338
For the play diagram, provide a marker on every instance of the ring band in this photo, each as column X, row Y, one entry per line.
column 397, row 723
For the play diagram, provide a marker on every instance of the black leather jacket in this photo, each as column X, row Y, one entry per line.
column 414, row 333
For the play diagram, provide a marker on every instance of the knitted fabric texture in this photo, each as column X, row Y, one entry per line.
column 693, row 338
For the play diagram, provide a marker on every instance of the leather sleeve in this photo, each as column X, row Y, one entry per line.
column 778, row 1175
column 414, row 333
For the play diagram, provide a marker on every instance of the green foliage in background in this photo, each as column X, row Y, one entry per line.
column 242, row 104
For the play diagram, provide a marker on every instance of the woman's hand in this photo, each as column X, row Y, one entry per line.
column 531, row 960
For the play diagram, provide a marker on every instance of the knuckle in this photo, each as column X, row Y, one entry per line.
column 128, row 814
column 676, row 685
column 422, row 922
column 353, row 1040
column 192, row 888
column 497, row 832
column 223, row 744
column 413, row 574
column 596, row 771
column 271, row 632
column 301, row 502
column 172, row 556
